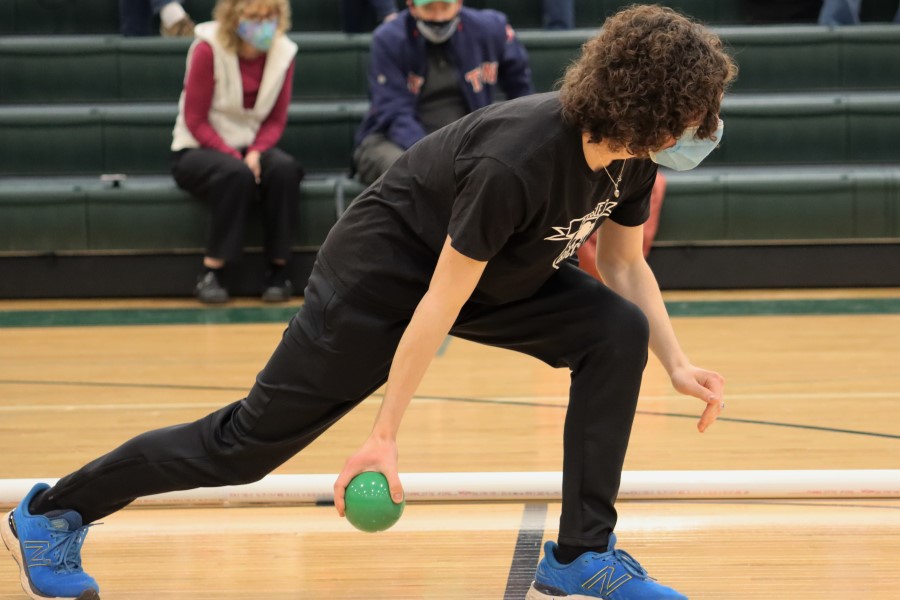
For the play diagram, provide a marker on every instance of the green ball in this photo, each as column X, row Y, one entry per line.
column 368, row 503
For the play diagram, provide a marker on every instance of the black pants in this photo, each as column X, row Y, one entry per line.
column 358, row 16
column 228, row 186
column 374, row 155
column 334, row 354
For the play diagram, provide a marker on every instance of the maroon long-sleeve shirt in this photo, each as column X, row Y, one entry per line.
column 198, row 95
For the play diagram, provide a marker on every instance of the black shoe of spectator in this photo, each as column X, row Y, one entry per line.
column 278, row 287
column 209, row 290
column 278, row 293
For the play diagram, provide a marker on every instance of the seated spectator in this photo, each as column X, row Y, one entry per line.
column 136, row 18
column 232, row 112
column 844, row 12
column 358, row 15
column 436, row 62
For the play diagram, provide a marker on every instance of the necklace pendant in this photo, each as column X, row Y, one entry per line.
column 616, row 193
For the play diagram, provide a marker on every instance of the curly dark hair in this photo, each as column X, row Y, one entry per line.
column 646, row 77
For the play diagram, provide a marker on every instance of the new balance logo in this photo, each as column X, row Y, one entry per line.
column 604, row 578
column 38, row 555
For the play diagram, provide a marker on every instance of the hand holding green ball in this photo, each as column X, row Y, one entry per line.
column 368, row 503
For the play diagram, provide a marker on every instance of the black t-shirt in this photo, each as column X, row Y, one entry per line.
column 509, row 183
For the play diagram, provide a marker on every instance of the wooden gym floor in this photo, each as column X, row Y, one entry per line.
column 813, row 382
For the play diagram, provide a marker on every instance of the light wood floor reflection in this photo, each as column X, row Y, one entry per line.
column 803, row 392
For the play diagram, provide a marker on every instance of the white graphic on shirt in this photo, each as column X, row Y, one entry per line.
column 579, row 230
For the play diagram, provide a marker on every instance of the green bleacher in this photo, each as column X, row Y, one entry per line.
column 78, row 69
column 810, row 155
column 84, row 214
column 134, row 138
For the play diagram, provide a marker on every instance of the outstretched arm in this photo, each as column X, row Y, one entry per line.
column 454, row 280
column 621, row 262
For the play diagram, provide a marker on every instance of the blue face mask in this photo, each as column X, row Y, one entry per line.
column 688, row 151
column 259, row 34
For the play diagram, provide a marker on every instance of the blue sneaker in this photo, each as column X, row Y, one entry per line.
column 48, row 550
column 612, row 575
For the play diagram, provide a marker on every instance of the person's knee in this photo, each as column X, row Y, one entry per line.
column 633, row 324
column 282, row 167
column 621, row 329
column 374, row 156
column 236, row 173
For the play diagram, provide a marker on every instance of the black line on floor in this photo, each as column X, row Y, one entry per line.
column 244, row 390
column 681, row 416
column 527, row 553
column 113, row 384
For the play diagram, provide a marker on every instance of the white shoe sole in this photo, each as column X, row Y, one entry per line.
column 12, row 544
column 534, row 594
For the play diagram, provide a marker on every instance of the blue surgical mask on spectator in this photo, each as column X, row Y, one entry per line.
column 259, row 34
column 688, row 151
column 437, row 32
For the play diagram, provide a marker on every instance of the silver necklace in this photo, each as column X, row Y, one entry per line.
column 616, row 182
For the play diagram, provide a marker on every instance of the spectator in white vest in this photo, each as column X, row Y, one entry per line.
column 232, row 112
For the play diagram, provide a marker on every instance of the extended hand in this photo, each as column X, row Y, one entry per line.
column 377, row 454
column 706, row 385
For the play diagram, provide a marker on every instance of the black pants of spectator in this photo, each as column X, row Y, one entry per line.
column 228, row 186
column 136, row 16
column 779, row 11
column 558, row 14
column 374, row 155
column 358, row 16
column 334, row 354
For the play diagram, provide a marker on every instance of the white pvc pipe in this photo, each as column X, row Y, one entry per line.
column 531, row 486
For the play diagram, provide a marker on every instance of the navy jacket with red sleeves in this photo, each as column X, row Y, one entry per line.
column 484, row 48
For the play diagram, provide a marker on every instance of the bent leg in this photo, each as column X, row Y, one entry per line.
column 229, row 187
column 375, row 155
column 575, row 321
column 280, row 191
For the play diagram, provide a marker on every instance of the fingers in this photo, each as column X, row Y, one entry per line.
column 396, row 487
column 713, row 387
column 708, row 386
column 710, row 414
column 715, row 383
column 375, row 455
column 340, row 486
column 254, row 166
